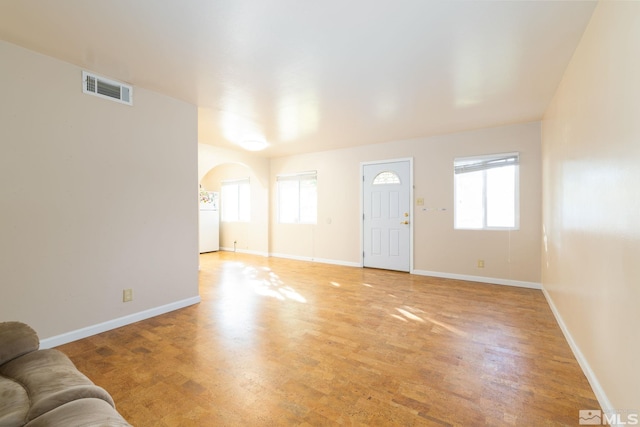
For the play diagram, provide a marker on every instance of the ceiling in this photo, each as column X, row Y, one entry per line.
column 316, row 75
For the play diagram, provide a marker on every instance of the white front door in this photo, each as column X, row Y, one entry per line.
column 386, row 211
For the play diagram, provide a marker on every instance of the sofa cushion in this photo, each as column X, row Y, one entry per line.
column 14, row 403
column 16, row 339
column 81, row 413
column 51, row 380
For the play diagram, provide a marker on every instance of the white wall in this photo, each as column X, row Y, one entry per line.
column 439, row 249
column 591, row 157
column 95, row 197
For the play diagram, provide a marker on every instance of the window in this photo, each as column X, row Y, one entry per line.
column 298, row 198
column 486, row 192
column 386, row 177
column 234, row 203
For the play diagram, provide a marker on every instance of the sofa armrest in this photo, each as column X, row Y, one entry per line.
column 83, row 412
column 16, row 339
column 51, row 380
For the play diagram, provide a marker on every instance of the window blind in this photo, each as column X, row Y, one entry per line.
column 235, row 181
column 485, row 163
column 302, row 176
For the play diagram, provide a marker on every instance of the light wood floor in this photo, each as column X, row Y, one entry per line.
column 282, row 342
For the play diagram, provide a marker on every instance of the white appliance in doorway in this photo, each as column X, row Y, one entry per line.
column 209, row 221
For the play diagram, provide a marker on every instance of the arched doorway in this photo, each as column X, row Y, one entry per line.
column 249, row 232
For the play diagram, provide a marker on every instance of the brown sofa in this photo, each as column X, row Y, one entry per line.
column 41, row 388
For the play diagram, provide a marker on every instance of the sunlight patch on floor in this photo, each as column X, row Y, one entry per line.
column 265, row 289
column 292, row 294
column 447, row 327
column 267, row 283
column 409, row 315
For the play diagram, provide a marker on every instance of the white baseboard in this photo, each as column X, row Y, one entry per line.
column 245, row 251
column 604, row 401
column 115, row 323
column 320, row 260
column 491, row 280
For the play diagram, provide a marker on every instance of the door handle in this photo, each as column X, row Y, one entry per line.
column 404, row 222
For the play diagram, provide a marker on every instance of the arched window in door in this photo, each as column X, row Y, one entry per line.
column 386, row 177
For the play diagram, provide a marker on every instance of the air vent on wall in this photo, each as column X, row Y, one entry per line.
column 105, row 88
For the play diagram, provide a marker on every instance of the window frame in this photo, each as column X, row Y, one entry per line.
column 238, row 183
column 299, row 178
column 483, row 164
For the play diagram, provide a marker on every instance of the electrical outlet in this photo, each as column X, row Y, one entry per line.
column 480, row 263
column 127, row 295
